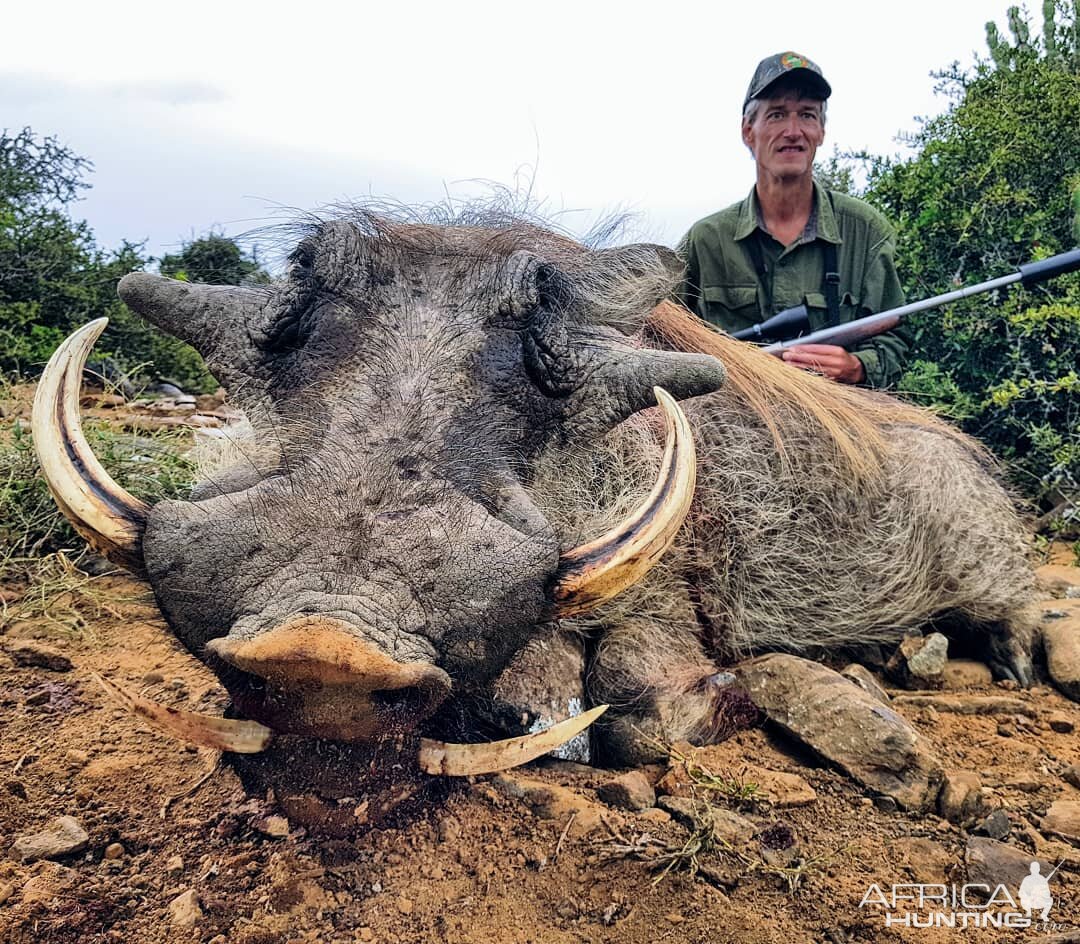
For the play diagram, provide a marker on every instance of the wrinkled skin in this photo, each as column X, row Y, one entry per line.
column 441, row 412
column 403, row 381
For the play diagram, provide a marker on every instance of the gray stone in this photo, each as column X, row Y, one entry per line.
column 1063, row 818
column 36, row 655
column 63, row 836
column 728, row 827
column 630, row 791
column 865, row 679
column 996, row 825
column 960, row 800
column 994, row 863
column 1061, row 639
column 847, row 726
column 919, row 661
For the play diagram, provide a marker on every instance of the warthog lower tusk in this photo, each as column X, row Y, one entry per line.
column 223, row 734
column 435, row 757
column 111, row 520
column 461, row 760
column 600, row 570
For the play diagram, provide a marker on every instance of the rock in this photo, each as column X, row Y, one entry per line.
column 631, row 791
column 656, row 816
column 175, row 865
column 184, row 909
column 927, row 861
column 545, row 684
column 1058, row 579
column 1072, row 775
column 1061, row 640
column 405, row 906
column 919, row 661
column 34, row 654
column 727, row 827
column 885, row 804
column 49, row 881
column 731, row 828
column 1006, row 729
column 366, row 934
column 114, row 851
column 153, row 678
column 1061, row 723
column 844, row 724
column 994, row 863
column 960, row 800
column 77, row 758
column 276, row 827
column 6, row 891
column 966, row 673
column 996, row 825
column 866, row 680
column 1025, row 783
column 1063, row 818
column 549, row 800
column 966, row 704
column 63, row 836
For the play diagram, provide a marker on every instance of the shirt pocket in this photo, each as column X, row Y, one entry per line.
column 731, row 306
column 819, row 310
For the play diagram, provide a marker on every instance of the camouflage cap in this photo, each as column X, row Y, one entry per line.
column 787, row 63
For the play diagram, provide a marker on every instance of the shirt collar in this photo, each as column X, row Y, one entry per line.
column 822, row 219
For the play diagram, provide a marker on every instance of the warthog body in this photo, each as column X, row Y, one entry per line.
column 441, row 412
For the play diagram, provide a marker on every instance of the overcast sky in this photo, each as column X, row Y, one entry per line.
column 204, row 115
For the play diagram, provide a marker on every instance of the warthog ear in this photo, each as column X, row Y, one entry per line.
column 636, row 278
column 527, row 282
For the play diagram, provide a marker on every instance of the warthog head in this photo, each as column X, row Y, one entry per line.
column 379, row 550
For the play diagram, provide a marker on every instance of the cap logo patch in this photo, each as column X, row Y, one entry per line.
column 792, row 60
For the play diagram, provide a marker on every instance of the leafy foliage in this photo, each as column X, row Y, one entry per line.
column 995, row 183
column 54, row 278
column 215, row 260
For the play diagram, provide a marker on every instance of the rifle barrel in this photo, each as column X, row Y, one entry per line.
column 886, row 319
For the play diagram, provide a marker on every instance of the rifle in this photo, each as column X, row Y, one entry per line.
column 784, row 329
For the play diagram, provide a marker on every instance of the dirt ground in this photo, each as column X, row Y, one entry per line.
column 178, row 852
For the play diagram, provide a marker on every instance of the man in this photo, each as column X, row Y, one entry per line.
column 791, row 241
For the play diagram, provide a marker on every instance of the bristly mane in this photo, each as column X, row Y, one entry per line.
column 852, row 417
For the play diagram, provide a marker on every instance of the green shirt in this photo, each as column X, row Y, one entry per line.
column 723, row 287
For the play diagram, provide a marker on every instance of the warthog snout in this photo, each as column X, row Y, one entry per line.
column 320, row 678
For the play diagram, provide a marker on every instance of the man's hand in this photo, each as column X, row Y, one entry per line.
column 828, row 359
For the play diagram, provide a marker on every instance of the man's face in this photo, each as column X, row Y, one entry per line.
column 785, row 135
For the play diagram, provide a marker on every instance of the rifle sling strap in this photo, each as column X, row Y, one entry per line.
column 830, row 286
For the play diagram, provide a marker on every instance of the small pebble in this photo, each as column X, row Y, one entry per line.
column 114, row 850
column 366, row 934
column 1061, row 723
column 153, row 678
column 405, row 906
column 885, row 804
column 1006, row 730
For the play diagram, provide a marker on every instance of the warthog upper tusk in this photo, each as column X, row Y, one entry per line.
column 223, row 734
column 595, row 572
column 111, row 520
column 461, row 760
